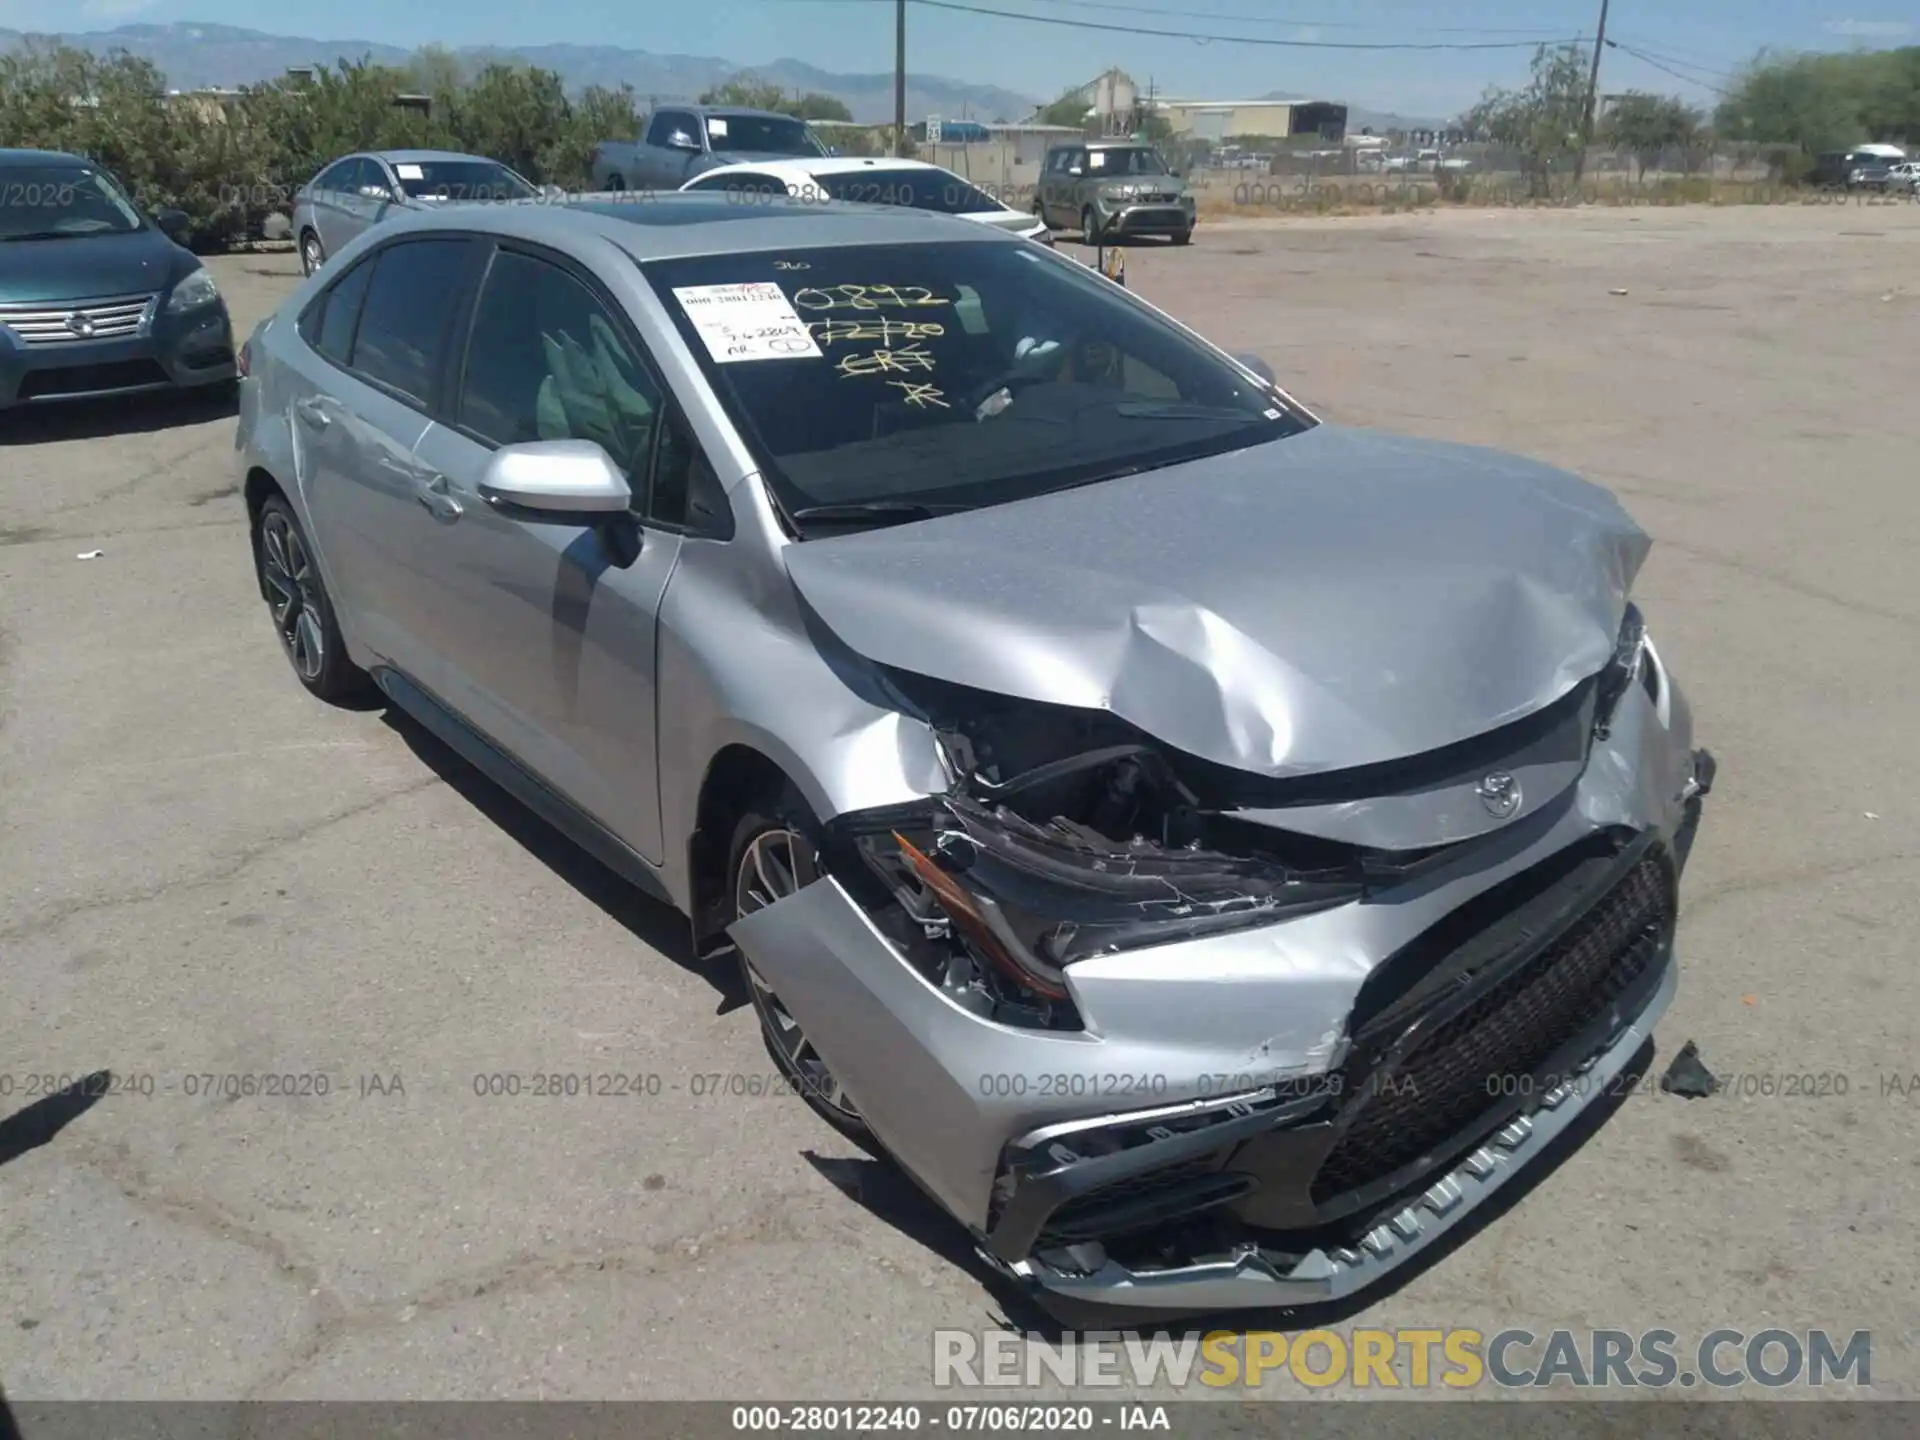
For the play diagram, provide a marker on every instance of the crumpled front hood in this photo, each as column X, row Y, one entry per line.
column 1339, row 598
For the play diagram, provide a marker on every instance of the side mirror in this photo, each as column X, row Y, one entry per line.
column 564, row 477
column 173, row 223
column 681, row 140
column 376, row 192
column 1259, row 367
column 554, row 192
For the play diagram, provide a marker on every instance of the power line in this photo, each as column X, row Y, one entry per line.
column 1232, row 39
column 1285, row 19
column 1669, row 59
column 1647, row 59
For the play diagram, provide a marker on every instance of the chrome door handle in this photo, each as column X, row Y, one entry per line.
column 313, row 413
column 438, row 498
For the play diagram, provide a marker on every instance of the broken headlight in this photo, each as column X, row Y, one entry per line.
column 1629, row 663
column 1031, row 898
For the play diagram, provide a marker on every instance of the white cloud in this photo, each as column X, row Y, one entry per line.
column 1870, row 29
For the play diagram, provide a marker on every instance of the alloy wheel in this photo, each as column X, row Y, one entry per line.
column 775, row 864
column 293, row 595
column 310, row 258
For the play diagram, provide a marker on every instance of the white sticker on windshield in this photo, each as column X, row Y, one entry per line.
column 752, row 321
column 717, row 129
column 409, row 172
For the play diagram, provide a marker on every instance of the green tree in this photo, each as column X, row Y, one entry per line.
column 1070, row 109
column 751, row 93
column 1646, row 127
column 1813, row 103
column 1541, row 120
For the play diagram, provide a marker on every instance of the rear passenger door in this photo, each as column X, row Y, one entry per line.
column 553, row 657
column 374, row 384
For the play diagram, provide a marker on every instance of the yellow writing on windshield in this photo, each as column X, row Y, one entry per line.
column 885, row 332
column 866, row 297
column 879, row 362
column 920, row 395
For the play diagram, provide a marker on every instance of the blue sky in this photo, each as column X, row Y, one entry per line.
column 1705, row 40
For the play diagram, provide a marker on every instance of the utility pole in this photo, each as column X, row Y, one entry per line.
column 1593, row 89
column 899, row 77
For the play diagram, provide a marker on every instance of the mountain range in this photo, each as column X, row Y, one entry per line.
column 195, row 56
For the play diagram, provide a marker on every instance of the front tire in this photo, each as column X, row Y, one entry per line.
column 1183, row 237
column 616, row 181
column 776, row 851
column 312, row 253
column 1089, row 227
column 301, row 609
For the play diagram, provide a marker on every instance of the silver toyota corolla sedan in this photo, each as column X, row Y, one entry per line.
column 1210, row 849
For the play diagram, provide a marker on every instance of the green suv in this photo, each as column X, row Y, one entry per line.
column 1112, row 188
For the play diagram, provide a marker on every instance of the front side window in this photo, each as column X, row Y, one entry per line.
column 761, row 135
column 668, row 123
column 951, row 374
column 62, row 202
column 411, row 300
column 547, row 362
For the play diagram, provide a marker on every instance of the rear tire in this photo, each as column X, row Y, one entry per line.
column 775, row 851
column 301, row 609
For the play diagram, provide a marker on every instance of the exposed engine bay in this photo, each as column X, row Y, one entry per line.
column 1069, row 833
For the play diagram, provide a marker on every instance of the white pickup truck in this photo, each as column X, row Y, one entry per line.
column 682, row 141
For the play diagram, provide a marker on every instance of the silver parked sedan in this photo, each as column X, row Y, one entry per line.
column 359, row 191
column 1212, row 850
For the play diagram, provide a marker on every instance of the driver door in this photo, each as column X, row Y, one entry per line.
column 553, row 656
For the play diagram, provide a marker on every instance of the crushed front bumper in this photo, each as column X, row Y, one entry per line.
column 1182, row 1151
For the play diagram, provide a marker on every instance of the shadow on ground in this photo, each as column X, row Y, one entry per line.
column 128, row 415
column 46, row 1117
column 649, row 921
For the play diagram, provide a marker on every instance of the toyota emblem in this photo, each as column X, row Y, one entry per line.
column 1500, row 793
column 80, row 324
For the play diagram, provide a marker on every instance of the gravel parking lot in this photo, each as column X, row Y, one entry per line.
column 203, row 873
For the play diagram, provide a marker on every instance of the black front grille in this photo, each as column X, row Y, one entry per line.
column 1457, row 1074
column 1142, row 1202
column 87, row 379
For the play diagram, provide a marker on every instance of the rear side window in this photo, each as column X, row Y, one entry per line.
column 339, row 309
column 410, row 307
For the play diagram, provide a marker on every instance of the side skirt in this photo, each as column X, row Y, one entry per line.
column 559, row 812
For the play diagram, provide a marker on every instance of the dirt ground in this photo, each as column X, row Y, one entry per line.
column 203, row 873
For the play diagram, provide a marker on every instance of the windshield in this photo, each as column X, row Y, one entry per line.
column 917, row 189
column 761, row 134
column 1125, row 162
column 460, row 180
column 57, row 202
column 951, row 375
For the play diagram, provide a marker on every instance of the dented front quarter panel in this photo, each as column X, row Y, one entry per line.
column 945, row 1090
column 741, row 663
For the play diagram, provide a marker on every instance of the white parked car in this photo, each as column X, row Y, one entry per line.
column 867, row 180
column 1905, row 177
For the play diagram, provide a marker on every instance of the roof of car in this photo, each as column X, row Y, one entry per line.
column 802, row 167
column 41, row 157
column 425, row 157
column 658, row 226
column 727, row 111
